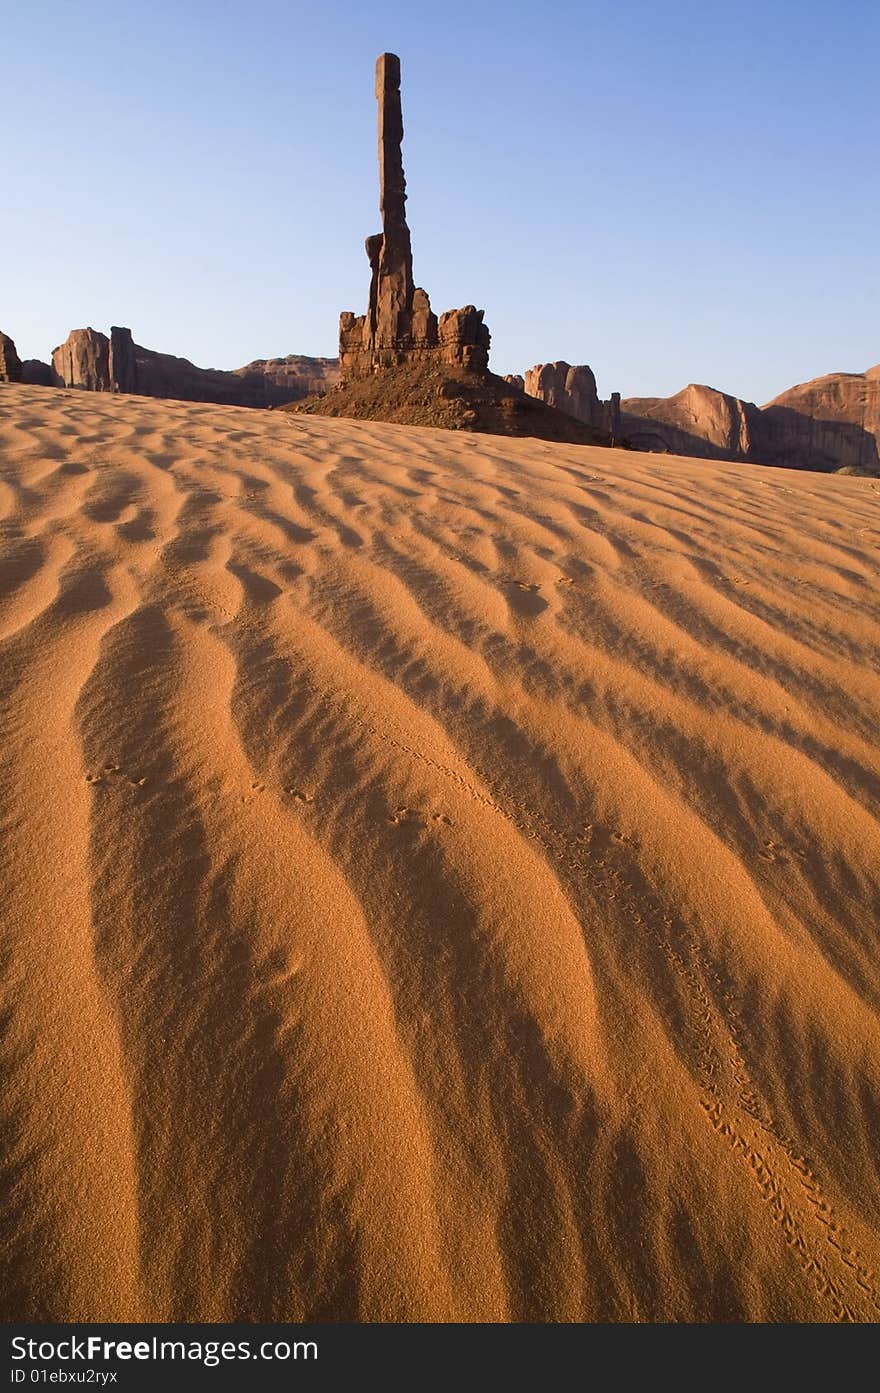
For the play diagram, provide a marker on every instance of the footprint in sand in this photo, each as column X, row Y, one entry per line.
column 113, row 771
column 624, row 839
column 300, row 796
column 255, row 788
column 594, row 834
column 772, row 852
column 524, row 598
column 410, row 817
column 778, row 852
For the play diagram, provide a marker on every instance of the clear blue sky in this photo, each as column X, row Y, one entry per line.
column 671, row 192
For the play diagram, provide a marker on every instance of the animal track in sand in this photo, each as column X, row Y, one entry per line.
column 775, row 852
column 595, row 835
column 411, row 818
column 771, row 852
column 731, row 1100
column 300, row 795
column 255, row 788
column 523, row 596
column 735, row 1108
column 115, row 772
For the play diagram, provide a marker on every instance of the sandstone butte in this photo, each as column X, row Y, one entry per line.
column 90, row 361
column 830, row 423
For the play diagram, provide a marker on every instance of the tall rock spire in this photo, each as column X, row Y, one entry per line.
column 390, row 253
column 400, row 324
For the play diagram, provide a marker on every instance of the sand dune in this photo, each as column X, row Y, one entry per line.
column 440, row 875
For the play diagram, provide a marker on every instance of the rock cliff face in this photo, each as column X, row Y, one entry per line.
column 789, row 437
column 400, row 326
column 281, row 380
column 573, row 389
column 93, row 362
column 838, row 396
column 83, row 360
column 10, row 365
column 124, row 375
column 697, row 421
column 831, row 423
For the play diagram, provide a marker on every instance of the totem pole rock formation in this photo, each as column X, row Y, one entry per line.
column 399, row 325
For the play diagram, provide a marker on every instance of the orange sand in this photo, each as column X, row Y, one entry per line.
column 440, row 875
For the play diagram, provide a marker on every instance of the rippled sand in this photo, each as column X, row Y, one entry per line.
column 439, row 875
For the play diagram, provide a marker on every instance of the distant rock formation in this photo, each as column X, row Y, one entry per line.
column 573, row 389
column 696, row 421
column 400, row 326
column 790, row 438
column 37, row 373
column 124, row 375
column 283, row 380
column 91, row 361
column 83, row 360
column 10, row 364
column 831, row 423
column 828, row 418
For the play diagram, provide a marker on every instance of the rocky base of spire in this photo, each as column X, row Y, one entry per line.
column 425, row 391
column 458, row 339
